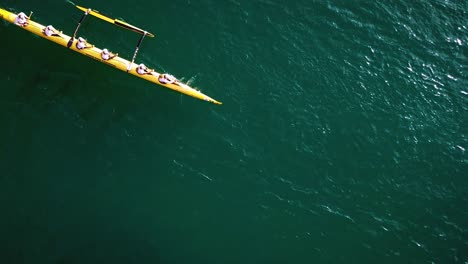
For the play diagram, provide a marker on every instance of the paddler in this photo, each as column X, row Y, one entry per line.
column 83, row 44
column 106, row 55
column 142, row 69
column 51, row 31
column 21, row 20
column 166, row 78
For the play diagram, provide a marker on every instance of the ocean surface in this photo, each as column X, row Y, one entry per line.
column 342, row 137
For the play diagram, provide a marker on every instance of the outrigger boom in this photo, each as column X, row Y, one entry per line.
column 116, row 22
column 117, row 62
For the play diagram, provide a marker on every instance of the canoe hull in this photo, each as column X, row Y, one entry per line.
column 117, row 62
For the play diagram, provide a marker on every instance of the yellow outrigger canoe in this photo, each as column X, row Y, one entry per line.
column 95, row 53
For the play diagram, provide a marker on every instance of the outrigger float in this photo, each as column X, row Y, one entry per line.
column 122, row 64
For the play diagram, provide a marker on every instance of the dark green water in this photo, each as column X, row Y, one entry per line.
column 342, row 138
